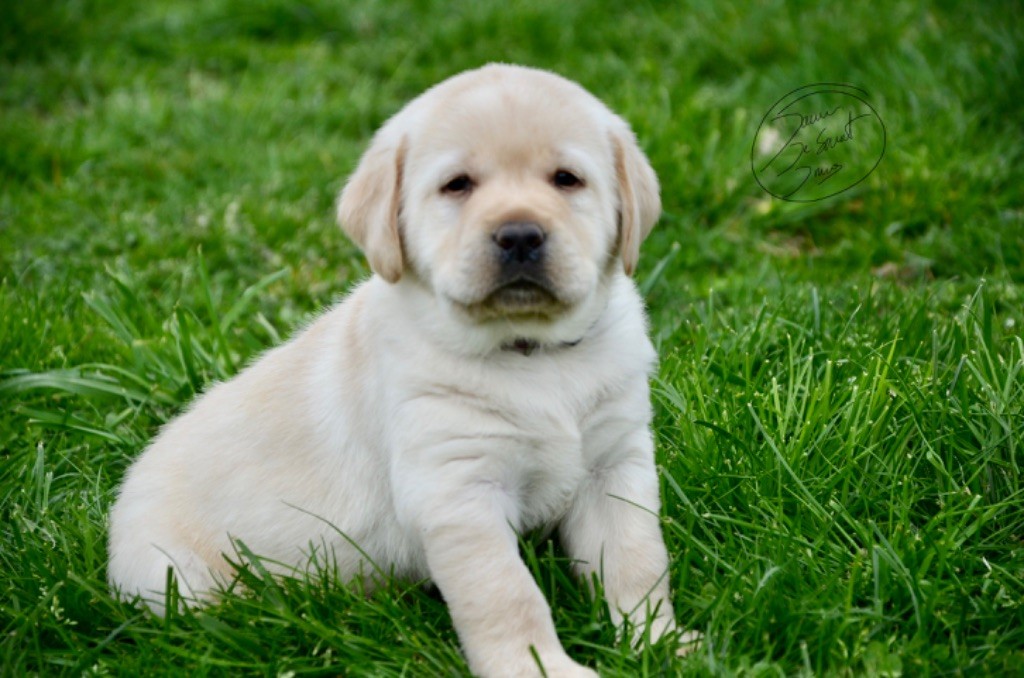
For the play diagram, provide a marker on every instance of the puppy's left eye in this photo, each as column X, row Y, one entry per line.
column 566, row 179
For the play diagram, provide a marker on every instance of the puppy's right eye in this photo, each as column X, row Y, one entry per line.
column 460, row 184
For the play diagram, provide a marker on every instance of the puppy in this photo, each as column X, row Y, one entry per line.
column 489, row 379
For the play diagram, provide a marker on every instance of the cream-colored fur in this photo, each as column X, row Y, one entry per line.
column 427, row 418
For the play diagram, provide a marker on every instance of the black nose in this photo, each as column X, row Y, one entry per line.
column 519, row 241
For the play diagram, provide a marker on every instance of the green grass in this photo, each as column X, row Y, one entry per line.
column 840, row 405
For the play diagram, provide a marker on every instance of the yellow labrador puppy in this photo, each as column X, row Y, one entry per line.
column 491, row 378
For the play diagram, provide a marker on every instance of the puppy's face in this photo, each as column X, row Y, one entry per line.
column 510, row 209
column 511, row 193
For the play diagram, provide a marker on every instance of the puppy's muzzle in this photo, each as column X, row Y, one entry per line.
column 520, row 252
column 519, row 243
column 521, row 280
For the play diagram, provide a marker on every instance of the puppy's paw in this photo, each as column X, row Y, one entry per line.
column 564, row 667
column 689, row 642
column 573, row 670
column 579, row 672
column 664, row 628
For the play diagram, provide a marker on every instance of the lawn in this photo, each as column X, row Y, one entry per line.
column 840, row 401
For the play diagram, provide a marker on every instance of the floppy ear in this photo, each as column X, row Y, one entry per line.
column 368, row 209
column 639, row 197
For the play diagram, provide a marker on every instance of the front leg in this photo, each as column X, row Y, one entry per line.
column 464, row 519
column 613, row 530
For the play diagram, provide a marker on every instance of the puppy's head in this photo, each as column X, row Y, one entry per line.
column 512, row 194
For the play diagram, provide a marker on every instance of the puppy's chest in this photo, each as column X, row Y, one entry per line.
column 542, row 474
column 552, row 453
column 535, row 435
